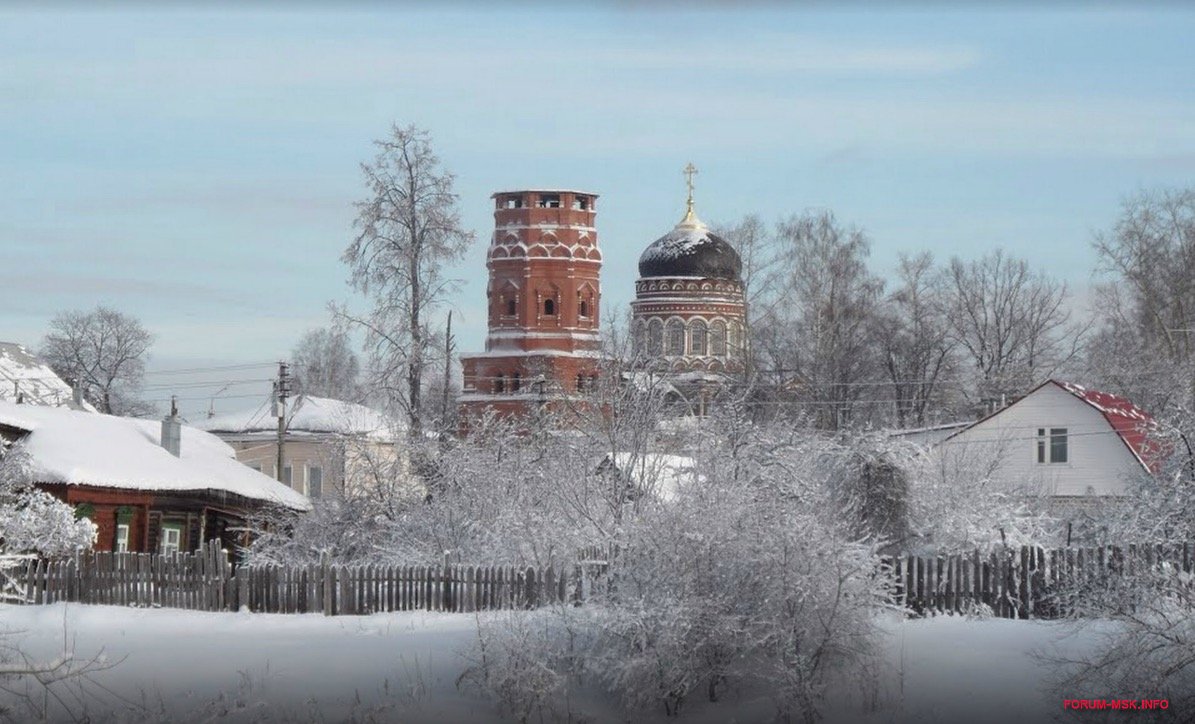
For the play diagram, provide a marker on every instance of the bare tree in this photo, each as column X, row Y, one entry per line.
column 325, row 365
column 1145, row 348
column 759, row 251
column 1010, row 323
column 104, row 351
column 917, row 346
column 816, row 328
column 409, row 229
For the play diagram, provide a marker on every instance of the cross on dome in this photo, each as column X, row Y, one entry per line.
column 690, row 221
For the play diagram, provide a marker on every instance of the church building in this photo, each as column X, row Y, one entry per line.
column 689, row 313
column 544, row 306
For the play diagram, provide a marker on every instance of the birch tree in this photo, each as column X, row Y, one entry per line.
column 408, row 230
column 816, row 328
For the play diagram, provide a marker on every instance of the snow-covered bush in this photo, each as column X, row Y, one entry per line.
column 32, row 520
column 748, row 577
column 957, row 505
column 518, row 661
column 1151, row 652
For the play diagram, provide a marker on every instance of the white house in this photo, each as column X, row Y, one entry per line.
column 1061, row 440
column 329, row 444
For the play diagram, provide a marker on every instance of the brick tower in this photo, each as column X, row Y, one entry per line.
column 543, row 299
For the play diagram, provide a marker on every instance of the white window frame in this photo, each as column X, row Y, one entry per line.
column 1047, row 439
column 165, row 546
column 122, row 537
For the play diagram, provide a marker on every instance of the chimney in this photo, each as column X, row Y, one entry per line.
column 172, row 431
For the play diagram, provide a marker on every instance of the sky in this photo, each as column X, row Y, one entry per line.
column 198, row 169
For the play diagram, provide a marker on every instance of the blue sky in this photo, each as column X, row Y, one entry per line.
column 198, row 169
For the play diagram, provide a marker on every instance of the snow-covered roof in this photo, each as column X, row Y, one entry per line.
column 83, row 448
column 1132, row 424
column 23, row 374
column 306, row 415
column 690, row 250
column 657, row 474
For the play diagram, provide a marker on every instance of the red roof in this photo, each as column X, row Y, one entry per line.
column 1131, row 423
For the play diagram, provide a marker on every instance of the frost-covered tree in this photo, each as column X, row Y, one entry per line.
column 324, row 365
column 408, row 229
column 1145, row 346
column 32, row 520
column 104, row 351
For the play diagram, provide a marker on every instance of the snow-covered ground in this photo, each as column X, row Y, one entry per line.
column 190, row 666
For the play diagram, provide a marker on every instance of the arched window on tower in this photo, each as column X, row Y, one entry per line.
column 582, row 306
column 674, row 338
column 500, row 384
column 697, row 337
column 655, row 338
column 512, row 307
column 549, row 307
column 736, row 339
column 718, row 338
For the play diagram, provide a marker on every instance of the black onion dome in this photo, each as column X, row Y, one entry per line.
column 690, row 250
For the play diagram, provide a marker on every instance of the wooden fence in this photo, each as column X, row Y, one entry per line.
column 207, row 581
column 1025, row 582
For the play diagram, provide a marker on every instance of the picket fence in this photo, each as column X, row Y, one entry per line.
column 207, row 581
column 1026, row 581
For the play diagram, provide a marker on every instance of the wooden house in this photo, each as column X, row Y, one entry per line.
column 141, row 494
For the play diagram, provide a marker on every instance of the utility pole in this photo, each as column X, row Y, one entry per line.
column 281, row 390
column 447, row 371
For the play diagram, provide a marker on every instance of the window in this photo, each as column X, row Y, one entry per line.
column 583, row 308
column 549, row 201
column 499, row 384
column 315, row 481
column 697, row 338
column 674, row 338
column 549, row 307
column 515, row 382
column 172, row 538
column 655, row 338
column 510, row 202
column 122, row 537
column 255, row 466
column 580, row 383
column 581, row 203
column 511, row 307
column 286, row 475
column 1052, row 447
column 718, row 339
